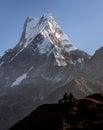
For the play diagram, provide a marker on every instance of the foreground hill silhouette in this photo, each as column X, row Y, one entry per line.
column 85, row 114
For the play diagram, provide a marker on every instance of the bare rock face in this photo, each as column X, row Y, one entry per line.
column 42, row 63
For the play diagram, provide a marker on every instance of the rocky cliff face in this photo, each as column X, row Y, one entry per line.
column 42, row 63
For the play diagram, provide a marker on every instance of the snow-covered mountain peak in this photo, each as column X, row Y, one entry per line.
column 47, row 26
column 46, row 37
column 32, row 27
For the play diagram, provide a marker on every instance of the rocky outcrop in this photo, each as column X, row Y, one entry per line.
column 85, row 114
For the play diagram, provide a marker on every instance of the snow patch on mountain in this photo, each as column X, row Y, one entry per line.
column 30, row 69
column 1, row 63
column 69, row 49
column 45, row 47
column 19, row 80
column 60, row 59
column 80, row 60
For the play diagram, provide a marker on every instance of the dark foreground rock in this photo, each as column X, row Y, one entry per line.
column 85, row 114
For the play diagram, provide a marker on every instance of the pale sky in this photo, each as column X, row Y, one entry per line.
column 81, row 20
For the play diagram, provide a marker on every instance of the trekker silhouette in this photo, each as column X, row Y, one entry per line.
column 71, row 97
column 65, row 97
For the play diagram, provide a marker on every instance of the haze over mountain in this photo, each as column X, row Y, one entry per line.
column 42, row 66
